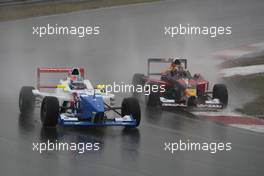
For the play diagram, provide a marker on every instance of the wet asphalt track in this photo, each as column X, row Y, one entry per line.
column 130, row 35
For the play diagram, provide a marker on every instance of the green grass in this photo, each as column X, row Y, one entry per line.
column 255, row 84
column 254, row 108
column 25, row 11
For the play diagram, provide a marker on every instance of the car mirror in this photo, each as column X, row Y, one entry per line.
column 101, row 87
column 62, row 86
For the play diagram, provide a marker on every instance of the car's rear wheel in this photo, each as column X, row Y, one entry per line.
column 130, row 106
column 26, row 99
column 220, row 92
column 50, row 111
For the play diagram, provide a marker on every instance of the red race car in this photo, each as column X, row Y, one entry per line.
column 177, row 87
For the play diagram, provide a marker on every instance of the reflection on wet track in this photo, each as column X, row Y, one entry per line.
column 130, row 151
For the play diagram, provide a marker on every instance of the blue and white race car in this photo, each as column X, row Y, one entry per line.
column 76, row 102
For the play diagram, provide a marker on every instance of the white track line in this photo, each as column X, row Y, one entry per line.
column 242, row 71
column 255, row 128
column 250, row 50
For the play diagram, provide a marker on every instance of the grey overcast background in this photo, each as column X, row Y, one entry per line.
column 129, row 35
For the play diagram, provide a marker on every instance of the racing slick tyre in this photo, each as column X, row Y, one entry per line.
column 220, row 92
column 26, row 99
column 50, row 111
column 138, row 80
column 153, row 99
column 130, row 106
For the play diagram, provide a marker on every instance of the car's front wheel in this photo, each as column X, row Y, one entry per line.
column 152, row 99
column 50, row 111
column 138, row 80
column 130, row 106
column 26, row 99
column 220, row 92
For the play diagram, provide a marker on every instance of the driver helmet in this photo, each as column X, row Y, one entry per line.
column 177, row 62
column 175, row 65
column 76, row 82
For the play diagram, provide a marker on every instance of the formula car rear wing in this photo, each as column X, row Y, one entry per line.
column 54, row 70
column 163, row 60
